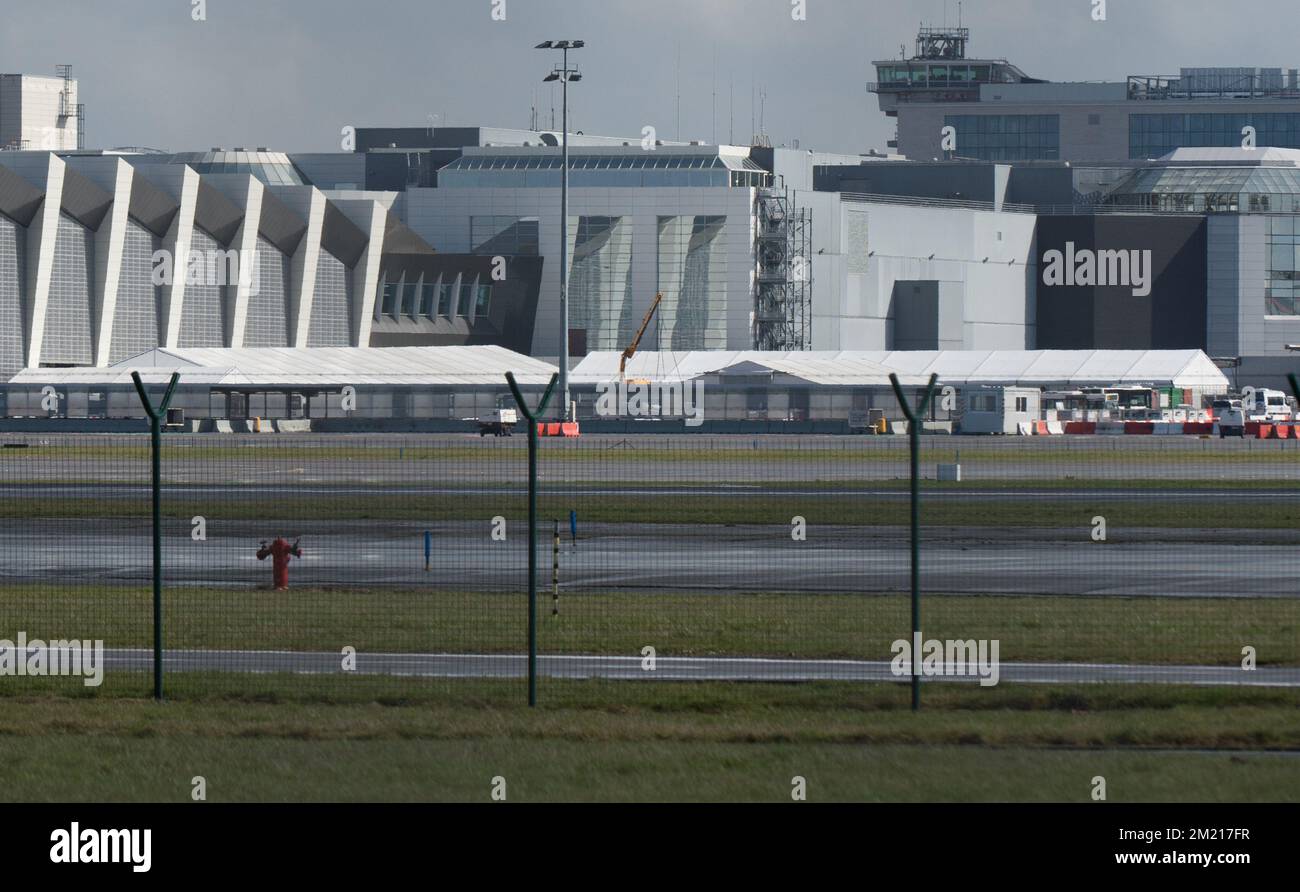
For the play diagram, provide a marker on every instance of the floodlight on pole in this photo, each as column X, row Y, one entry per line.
column 564, row 74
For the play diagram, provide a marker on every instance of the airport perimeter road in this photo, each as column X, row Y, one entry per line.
column 676, row 668
column 644, row 557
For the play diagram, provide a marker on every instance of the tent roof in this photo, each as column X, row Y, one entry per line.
column 865, row 368
column 318, row 366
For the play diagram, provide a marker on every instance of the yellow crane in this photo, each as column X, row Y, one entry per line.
column 631, row 349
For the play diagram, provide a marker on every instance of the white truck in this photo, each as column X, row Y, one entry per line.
column 1229, row 417
column 1266, row 405
column 500, row 423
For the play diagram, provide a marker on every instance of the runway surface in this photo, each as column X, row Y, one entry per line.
column 667, row 557
column 676, row 668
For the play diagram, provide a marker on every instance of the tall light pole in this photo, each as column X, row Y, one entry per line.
column 564, row 74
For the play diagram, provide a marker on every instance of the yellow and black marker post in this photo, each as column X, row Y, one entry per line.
column 555, row 572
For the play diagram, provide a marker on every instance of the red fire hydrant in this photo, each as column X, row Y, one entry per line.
column 279, row 551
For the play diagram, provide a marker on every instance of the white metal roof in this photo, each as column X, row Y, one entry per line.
column 1233, row 154
column 866, row 368
column 288, row 366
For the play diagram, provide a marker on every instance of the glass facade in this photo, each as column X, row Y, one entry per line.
column 69, row 315
column 389, row 296
column 411, row 299
column 1282, row 297
column 136, row 318
column 940, row 74
column 267, row 322
column 600, row 281
column 498, row 235
column 1152, row 136
column 466, row 298
column 692, row 276
column 331, row 304
column 1207, row 189
column 202, row 311
column 1007, row 137
column 12, row 282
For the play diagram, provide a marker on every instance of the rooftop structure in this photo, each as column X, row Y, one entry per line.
column 992, row 111
column 676, row 166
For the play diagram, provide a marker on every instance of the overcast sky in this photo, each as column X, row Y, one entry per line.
column 289, row 74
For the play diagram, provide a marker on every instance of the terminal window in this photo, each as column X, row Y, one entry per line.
column 1007, row 137
column 1151, row 136
column 1282, row 297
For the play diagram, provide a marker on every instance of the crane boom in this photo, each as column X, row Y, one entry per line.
column 631, row 349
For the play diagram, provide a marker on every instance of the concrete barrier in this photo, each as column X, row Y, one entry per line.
column 293, row 425
column 1055, row 429
column 1139, row 427
column 223, row 426
column 1081, row 427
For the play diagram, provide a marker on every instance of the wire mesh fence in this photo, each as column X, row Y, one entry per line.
column 686, row 560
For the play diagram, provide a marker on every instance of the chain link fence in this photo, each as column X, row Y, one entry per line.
column 683, row 560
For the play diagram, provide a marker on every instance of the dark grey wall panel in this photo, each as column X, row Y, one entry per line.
column 280, row 225
column 19, row 199
column 1111, row 316
column 84, row 201
column 152, row 207
column 217, row 214
column 341, row 237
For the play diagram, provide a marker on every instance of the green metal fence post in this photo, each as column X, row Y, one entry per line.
column 914, row 446
column 531, row 417
column 155, row 448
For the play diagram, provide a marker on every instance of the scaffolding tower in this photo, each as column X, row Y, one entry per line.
column 783, row 278
column 69, row 109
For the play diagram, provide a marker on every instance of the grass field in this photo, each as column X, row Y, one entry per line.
column 1204, row 631
column 647, row 742
column 1068, row 510
column 739, row 450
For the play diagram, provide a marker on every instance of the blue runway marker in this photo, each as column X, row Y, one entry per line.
column 428, row 549
column 573, row 527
